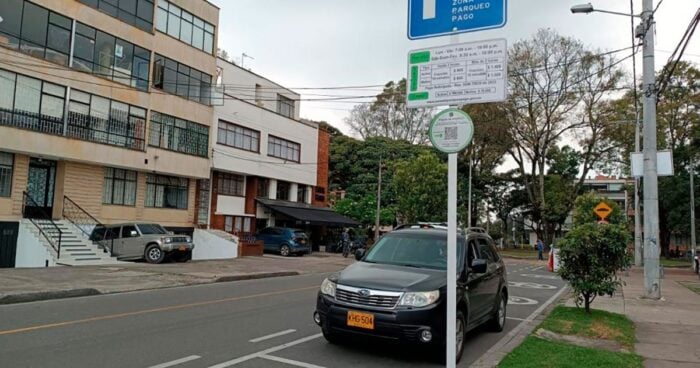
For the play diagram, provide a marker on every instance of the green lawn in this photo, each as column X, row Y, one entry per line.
column 694, row 286
column 520, row 253
column 538, row 353
column 675, row 262
column 597, row 325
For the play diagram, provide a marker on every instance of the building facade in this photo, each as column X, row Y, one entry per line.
column 268, row 165
column 106, row 105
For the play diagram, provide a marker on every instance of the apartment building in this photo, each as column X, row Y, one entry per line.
column 269, row 167
column 106, row 108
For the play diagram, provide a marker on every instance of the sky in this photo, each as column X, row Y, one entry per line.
column 304, row 44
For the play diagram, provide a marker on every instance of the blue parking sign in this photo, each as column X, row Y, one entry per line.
column 434, row 18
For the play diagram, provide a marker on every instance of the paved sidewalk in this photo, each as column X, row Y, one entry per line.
column 23, row 285
column 668, row 330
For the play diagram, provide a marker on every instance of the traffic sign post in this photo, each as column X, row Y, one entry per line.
column 434, row 18
column 602, row 210
column 465, row 73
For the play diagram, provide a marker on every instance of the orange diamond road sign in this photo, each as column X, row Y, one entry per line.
column 602, row 210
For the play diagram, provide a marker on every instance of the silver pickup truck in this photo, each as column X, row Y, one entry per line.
column 131, row 241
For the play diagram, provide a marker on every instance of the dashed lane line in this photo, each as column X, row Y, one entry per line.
column 272, row 336
column 266, row 351
column 290, row 362
column 176, row 362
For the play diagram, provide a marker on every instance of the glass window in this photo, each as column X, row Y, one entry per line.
column 166, row 191
column 119, row 187
column 263, row 188
column 7, row 94
column 104, row 54
column 285, row 106
column 416, row 250
column 138, row 13
column 178, row 135
column 151, row 229
column 283, row 149
column 185, row 27
column 35, row 19
column 10, row 27
column 282, row 190
column 129, row 231
column 180, row 79
column 231, row 185
column 239, row 137
column 6, row 166
column 228, row 225
column 301, row 193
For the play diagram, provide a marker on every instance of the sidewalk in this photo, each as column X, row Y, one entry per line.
column 668, row 330
column 23, row 285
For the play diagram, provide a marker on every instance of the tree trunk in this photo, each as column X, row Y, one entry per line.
column 587, row 303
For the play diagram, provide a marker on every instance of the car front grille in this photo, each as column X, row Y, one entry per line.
column 181, row 239
column 377, row 299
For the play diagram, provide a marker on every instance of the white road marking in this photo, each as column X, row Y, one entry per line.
column 271, row 336
column 538, row 268
column 548, row 277
column 176, row 362
column 516, row 319
column 518, row 300
column 290, row 362
column 266, row 351
column 530, row 285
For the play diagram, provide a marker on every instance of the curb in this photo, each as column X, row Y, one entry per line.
column 256, row 276
column 47, row 295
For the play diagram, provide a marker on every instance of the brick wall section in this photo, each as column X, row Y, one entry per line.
column 83, row 184
column 19, row 182
column 251, row 191
column 322, row 166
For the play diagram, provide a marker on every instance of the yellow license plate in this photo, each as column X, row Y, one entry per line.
column 303, row 242
column 183, row 248
column 361, row 320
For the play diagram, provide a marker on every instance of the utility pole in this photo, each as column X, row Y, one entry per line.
column 379, row 202
column 692, row 213
column 652, row 282
column 638, row 254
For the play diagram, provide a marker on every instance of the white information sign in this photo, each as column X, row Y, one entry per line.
column 451, row 130
column 664, row 163
column 458, row 74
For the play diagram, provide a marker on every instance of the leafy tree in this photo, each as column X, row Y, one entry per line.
column 591, row 254
column 364, row 210
column 422, row 183
column 389, row 117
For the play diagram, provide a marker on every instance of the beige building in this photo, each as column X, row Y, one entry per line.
column 106, row 108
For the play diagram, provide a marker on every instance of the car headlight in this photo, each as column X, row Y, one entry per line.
column 328, row 288
column 420, row 299
column 167, row 240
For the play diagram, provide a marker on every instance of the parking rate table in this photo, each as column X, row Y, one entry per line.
column 464, row 73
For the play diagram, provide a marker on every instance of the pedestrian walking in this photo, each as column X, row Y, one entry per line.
column 540, row 249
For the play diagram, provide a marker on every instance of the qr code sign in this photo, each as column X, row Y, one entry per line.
column 451, row 133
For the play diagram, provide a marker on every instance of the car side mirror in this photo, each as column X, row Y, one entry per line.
column 479, row 266
column 133, row 233
column 359, row 254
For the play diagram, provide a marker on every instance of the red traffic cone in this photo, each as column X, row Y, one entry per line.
column 550, row 262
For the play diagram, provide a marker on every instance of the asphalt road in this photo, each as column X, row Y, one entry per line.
column 259, row 323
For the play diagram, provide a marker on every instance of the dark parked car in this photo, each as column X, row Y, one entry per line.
column 284, row 240
column 398, row 290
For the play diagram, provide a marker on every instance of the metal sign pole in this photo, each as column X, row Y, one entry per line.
column 451, row 259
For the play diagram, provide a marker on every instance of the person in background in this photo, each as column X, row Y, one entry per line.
column 540, row 249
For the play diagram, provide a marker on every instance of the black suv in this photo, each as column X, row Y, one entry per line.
column 398, row 290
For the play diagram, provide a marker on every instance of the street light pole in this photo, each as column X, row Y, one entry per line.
column 692, row 213
column 652, row 283
column 638, row 254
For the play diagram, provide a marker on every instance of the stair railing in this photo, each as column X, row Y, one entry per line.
column 28, row 200
column 83, row 220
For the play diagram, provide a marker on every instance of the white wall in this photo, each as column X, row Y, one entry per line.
column 229, row 205
column 210, row 246
column 30, row 251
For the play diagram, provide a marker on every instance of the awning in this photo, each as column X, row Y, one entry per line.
column 307, row 213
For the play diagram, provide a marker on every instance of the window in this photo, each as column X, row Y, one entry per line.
column 228, row 225
column 138, row 13
column 30, row 103
column 129, row 232
column 236, row 136
column 35, row 31
column 109, row 57
column 151, row 229
column 119, row 187
column 301, row 193
column 263, row 188
column 231, row 185
column 282, row 148
column 285, row 106
column 485, row 251
column 166, row 191
column 179, row 79
column 98, row 119
column 320, row 194
column 184, row 26
column 178, row 135
column 6, row 166
column 282, row 190
column 237, row 224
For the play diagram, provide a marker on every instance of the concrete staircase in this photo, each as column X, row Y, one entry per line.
column 76, row 249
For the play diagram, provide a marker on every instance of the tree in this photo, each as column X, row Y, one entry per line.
column 556, row 92
column 422, row 183
column 364, row 210
column 591, row 254
column 389, row 117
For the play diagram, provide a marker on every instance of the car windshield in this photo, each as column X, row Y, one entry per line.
column 413, row 250
column 150, row 229
column 299, row 234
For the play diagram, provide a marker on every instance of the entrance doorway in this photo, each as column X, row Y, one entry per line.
column 8, row 243
column 41, row 182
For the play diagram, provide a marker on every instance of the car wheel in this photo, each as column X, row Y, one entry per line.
column 154, row 254
column 284, row 250
column 498, row 321
column 460, row 332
